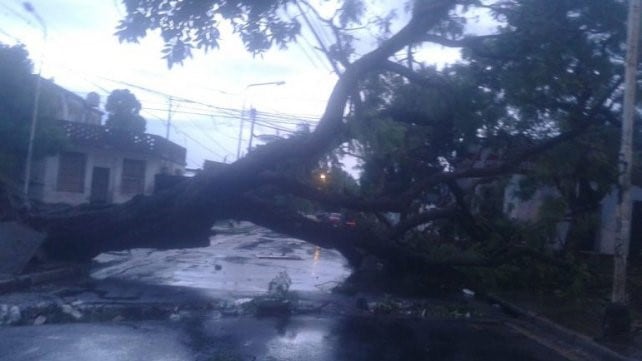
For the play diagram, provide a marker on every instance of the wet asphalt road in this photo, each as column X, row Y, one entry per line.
column 235, row 268
column 210, row 337
column 241, row 261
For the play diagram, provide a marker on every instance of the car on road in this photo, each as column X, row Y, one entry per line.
column 336, row 219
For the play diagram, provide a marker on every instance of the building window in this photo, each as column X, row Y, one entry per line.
column 71, row 172
column 133, row 180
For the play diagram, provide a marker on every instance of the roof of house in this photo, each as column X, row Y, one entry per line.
column 213, row 165
column 101, row 137
column 71, row 106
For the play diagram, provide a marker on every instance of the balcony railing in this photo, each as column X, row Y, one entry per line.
column 108, row 138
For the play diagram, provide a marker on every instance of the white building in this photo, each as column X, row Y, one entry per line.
column 100, row 164
column 603, row 240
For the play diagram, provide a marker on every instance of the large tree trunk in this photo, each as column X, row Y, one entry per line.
column 183, row 216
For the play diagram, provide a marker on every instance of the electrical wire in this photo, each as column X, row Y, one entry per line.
column 222, row 112
column 18, row 14
column 189, row 136
column 317, row 37
column 15, row 38
column 208, row 136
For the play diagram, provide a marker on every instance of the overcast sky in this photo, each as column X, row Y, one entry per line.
column 82, row 54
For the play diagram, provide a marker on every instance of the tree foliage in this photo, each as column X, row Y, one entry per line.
column 17, row 86
column 537, row 97
column 185, row 25
column 123, row 109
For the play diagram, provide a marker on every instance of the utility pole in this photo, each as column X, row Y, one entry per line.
column 240, row 141
column 169, row 118
column 238, row 145
column 252, row 122
column 617, row 318
column 36, row 100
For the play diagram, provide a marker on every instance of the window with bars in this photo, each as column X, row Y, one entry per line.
column 133, row 178
column 71, row 172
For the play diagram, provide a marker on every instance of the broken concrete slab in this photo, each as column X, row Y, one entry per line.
column 18, row 244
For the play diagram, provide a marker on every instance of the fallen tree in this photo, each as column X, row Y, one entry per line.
column 444, row 113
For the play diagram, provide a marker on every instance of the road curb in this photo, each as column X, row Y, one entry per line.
column 568, row 335
column 31, row 279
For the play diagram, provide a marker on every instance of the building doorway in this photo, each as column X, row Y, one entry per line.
column 99, row 185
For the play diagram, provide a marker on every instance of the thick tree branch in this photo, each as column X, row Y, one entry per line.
column 587, row 112
column 476, row 232
column 422, row 218
column 416, row 78
column 510, row 255
column 299, row 189
column 467, row 42
column 197, row 203
column 475, row 43
column 341, row 56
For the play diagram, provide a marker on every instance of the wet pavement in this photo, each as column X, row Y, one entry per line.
column 239, row 261
column 212, row 337
column 211, row 304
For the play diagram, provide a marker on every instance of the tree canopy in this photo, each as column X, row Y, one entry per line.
column 538, row 97
column 123, row 112
column 185, row 25
column 17, row 86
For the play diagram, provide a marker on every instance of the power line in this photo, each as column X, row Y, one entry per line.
column 105, row 90
column 2, row 31
column 196, row 141
column 266, row 122
column 309, row 44
column 206, row 134
column 277, row 117
column 316, row 24
column 287, row 119
column 189, row 136
column 305, row 52
column 225, row 112
column 317, row 37
column 18, row 14
column 271, row 126
column 236, row 117
column 280, row 118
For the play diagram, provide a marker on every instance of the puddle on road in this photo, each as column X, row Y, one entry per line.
column 205, row 332
column 94, row 342
column 238, row 263
column 357, row 339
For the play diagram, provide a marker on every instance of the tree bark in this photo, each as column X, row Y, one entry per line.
column 184, row 215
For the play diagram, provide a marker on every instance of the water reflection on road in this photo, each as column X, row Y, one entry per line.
column 209, row 338
column 238, row 263
column 145, row 315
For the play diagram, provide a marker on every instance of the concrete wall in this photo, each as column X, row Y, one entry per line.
column 529, row 210
column 47, row 189
column 525, row 210
column 69, row 106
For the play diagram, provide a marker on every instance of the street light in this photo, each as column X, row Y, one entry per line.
column 36, row 99
column 240, row 141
